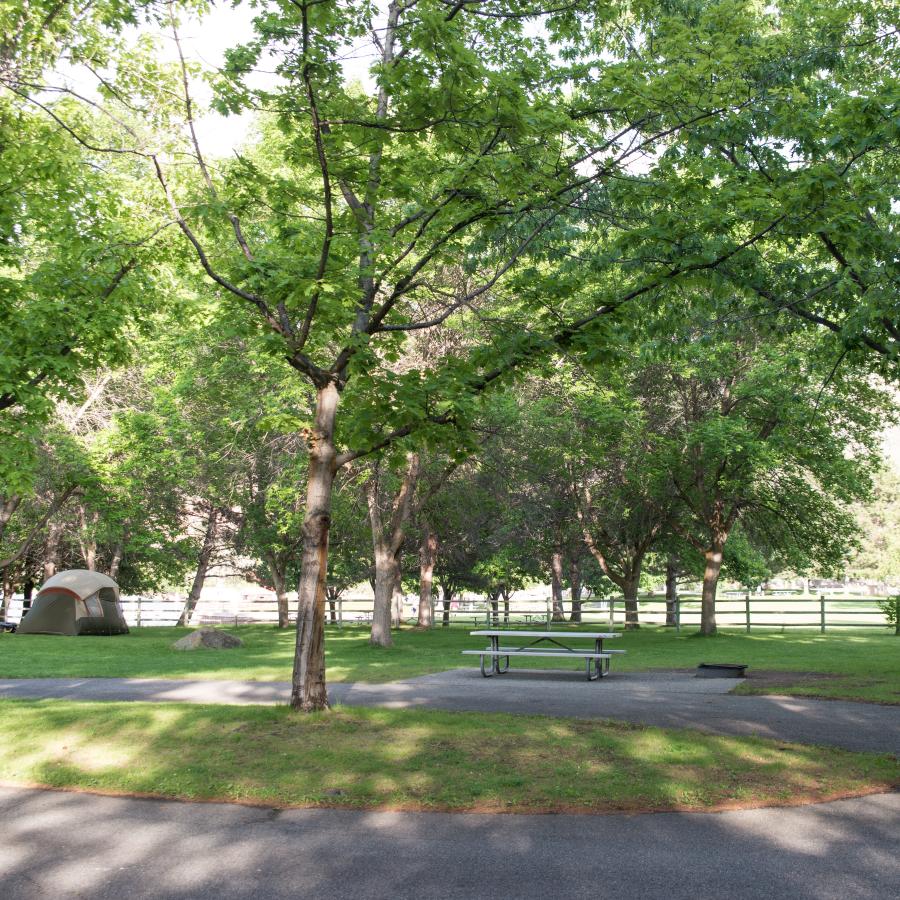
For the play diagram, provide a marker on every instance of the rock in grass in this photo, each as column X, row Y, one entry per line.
column 208, row 639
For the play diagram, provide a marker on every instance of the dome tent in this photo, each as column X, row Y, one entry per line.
column 76, row 602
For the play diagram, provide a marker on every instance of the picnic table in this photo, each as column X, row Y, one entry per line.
column 597, row 660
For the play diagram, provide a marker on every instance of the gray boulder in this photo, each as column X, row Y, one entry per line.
column 208, row 639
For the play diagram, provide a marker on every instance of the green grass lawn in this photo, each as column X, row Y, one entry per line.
column 413, row 759
column 860, row 664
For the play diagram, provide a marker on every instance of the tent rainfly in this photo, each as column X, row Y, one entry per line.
column 76, row 602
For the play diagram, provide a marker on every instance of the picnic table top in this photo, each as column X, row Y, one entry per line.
column 587, row 635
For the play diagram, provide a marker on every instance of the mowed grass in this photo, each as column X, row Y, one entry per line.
column 861, row 665
column 403, row 759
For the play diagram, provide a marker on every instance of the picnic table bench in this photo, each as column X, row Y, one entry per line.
column 597, row 660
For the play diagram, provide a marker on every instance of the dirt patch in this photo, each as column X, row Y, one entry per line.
column 775, row 677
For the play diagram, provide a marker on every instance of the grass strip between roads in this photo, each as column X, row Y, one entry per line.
column 413, row 759
column 843, row 664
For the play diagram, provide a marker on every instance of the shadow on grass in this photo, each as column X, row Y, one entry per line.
column 413, row 759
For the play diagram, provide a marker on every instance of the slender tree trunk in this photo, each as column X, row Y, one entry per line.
column 308, row 688
column 713, row 558
column 8, row 505
column 88, row 539
column 630, row 592
column 671, row 590
column 279, row 580
column 206, row 550
column 333, row 595
column 427, row 557
column 505, row 593
column 27, row 592
column 447, row 596
column 115, row 560
column 386, row 543
column 385, row 582
column 6, row 581
column 494, row 600
column 397, row 596
column 51, row 548
column 575, row 587
column 556, row 576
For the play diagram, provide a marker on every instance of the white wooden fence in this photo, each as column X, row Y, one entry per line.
column 745, row 611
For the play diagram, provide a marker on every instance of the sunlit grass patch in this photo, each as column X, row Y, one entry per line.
column 413, row 759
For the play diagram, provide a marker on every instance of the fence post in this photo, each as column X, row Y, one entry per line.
column 340, row 606
column 612, row 611
column 139, row 611
column 822, row 613
column 677, row 614
column 747, row 610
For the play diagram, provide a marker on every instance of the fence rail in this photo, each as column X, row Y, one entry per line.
column 747, row 611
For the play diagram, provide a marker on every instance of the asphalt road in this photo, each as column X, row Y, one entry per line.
column 77, row 845
column 670, row 700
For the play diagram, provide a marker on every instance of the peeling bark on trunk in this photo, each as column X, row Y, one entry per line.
column 671, row 590
column 575, row 586
column 427, row 557
column 556, row 576
column 713, row 559
column 308, row 688
column 206, row 550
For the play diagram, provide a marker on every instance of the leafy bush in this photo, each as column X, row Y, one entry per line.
column 891, row 609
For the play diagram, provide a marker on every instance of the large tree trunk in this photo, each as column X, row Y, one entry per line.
column 556, row 576
column 385, row 582
column 630, row 592
column 427, row 557
column 279, row 580
column 206, row 550
column 713, row 558
column 575, row 587
column 671, row 590
column 308, row 689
